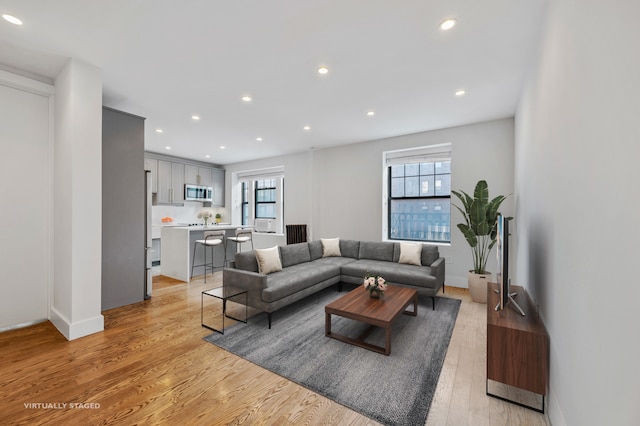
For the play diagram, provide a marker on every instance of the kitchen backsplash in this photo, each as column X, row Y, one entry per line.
column 183, row 214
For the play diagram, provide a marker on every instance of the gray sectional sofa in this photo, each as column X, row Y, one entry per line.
column 305, row 271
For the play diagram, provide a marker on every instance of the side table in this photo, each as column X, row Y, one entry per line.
column 224, row 293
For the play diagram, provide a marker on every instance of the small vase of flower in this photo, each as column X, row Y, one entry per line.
column 376, row 285
column 205, row 215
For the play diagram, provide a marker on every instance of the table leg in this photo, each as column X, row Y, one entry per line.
column 387, row 346
column 327, row 324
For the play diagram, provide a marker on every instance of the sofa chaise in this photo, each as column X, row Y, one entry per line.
column 299, row 270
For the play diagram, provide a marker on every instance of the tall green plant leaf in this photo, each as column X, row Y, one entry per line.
column 480, row 215
column 469, row 235
column 477, row 215
column 481, row 192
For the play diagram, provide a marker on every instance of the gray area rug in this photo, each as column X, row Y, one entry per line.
column 393, row 390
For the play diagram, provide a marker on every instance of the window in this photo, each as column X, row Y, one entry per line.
column 266, row 198
column 245, row 203
column 419, row 194
column 259, row 198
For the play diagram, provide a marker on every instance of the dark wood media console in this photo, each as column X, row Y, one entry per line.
column 517, row 346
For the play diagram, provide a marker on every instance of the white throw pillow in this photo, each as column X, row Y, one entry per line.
column 330, row 247
column 268, row 260
column 411, row 253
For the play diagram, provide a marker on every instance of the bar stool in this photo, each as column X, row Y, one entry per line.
column 243, row 235
column 211, row 240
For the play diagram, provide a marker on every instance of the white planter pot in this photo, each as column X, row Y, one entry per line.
column 478, row 284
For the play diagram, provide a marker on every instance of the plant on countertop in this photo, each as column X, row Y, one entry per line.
column 218, row 217
column 480, row 227
column 205, row 214
column 375, row 284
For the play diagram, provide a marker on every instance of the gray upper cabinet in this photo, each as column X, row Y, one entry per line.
column 170, row 188
column 217, row 182
column 197, row 175
column 204, row 176
column 170, row 174
column 177, row 182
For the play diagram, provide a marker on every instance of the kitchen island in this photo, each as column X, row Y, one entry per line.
column 177, row 249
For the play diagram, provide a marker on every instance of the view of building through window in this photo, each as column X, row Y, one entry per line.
column 419, row 198
column 266, row 198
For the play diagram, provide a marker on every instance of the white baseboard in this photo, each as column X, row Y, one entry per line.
column 454, row 281
column 72, row 331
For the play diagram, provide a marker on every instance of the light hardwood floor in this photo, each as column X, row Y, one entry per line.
column 151, row 366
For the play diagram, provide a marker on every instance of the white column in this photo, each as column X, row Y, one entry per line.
column 77, row 201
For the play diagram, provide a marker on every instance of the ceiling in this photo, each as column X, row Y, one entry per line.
column 168, row 60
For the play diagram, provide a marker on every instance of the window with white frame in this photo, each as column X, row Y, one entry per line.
column 418, row 194
column 261, row 199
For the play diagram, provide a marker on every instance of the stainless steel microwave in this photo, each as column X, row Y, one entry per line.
column 198, row 193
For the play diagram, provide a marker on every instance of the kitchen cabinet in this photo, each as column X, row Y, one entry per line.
column 123, row 212
column 170, row 182
column 517, row 350
column 197, row 175
column 170, row 174
column 151, row 164
column 217, row 182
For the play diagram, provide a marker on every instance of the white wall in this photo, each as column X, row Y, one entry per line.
column 296, row 186
column 77, row 204
column 25, row 219
column 338, row 191
column 577, row 152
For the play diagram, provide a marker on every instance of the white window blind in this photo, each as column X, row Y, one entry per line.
column 260, row 174
column 425, row 154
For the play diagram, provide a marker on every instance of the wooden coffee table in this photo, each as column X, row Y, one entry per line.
column 357, row 305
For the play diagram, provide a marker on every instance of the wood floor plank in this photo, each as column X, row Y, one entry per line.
column 151, row 366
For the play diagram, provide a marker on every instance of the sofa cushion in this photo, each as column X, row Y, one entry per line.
column 246, row 261
column 315, row 249
column 334, row 260
column 429, row 254
column 297, row 278
column 376, row 251
column 330, row 247
column 350, row 248
column 268, row 260
column 410, row 254
column 392, row 272
column 293, row 254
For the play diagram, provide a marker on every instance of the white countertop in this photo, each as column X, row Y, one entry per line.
column 209, row 227
column 156, row 230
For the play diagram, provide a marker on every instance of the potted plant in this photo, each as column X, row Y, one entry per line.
column 480, row 231
column 218, row 218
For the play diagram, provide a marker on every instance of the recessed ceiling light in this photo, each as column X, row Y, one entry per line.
column 12, row 19
column 306, row 128
column 460, row 92
column 371, row 113
column 447, row 24
column 259, row 139
column 246, row 98
column 323, row 70
column 207, row 156
column 195, row 117
column 167, row 147
column 223, row 147
column 159, row 130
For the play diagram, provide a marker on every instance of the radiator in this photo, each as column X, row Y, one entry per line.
column 296, row 234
